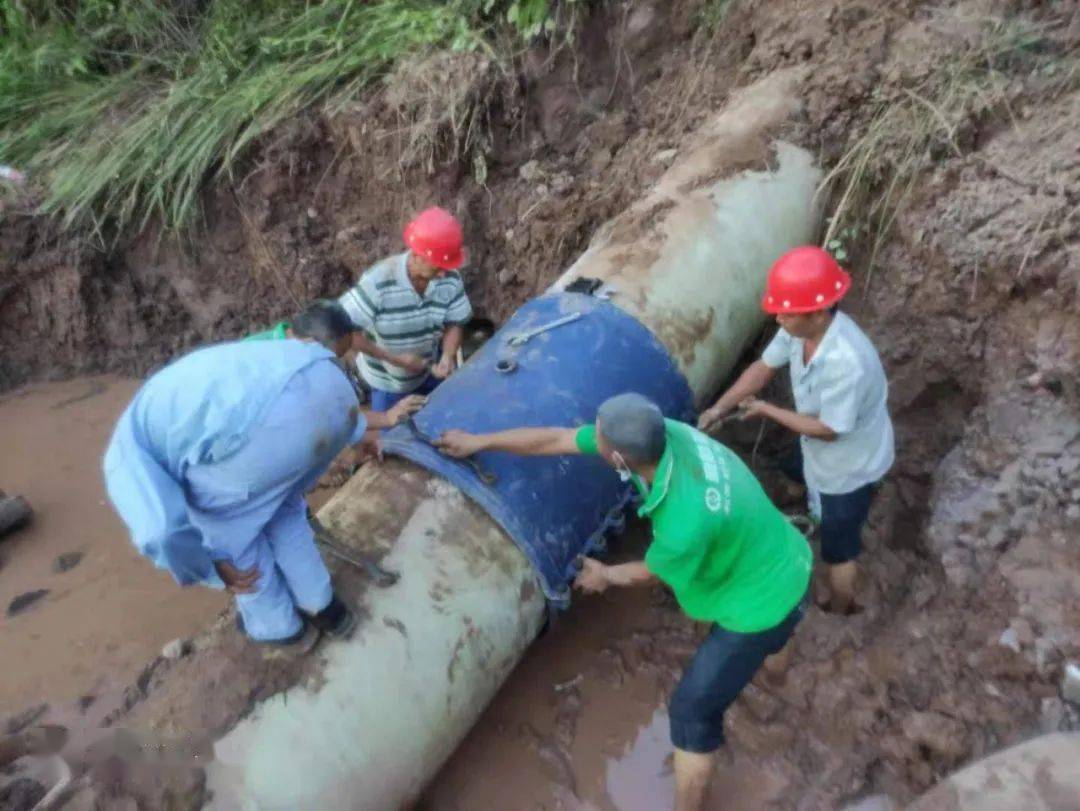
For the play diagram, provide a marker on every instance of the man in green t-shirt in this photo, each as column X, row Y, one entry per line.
column 729, row 555
column 279, row 332
column 319, row 320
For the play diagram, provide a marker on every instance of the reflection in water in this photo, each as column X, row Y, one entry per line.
column 642, row 780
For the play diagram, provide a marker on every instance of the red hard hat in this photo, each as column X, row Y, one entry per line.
column 436, row 235
column 804, row 280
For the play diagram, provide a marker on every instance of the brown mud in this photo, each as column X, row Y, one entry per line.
column 972, row 570
column 105, row 618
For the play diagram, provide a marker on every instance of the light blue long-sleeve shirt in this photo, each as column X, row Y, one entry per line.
column 198, row 410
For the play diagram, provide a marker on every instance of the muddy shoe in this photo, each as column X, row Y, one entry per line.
column 336, row 619
column 15, row 512
column 298, row 644
column 293, row 647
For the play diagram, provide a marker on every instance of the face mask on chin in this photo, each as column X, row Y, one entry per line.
column 625, row 474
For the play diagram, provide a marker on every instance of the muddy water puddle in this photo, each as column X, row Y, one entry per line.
column 643, row 778
column 580, row 724
column 104, row 618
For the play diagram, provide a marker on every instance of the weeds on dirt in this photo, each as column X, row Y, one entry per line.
column 713, row 13
column 441, row 104
column 916, row 125
column 121, row 109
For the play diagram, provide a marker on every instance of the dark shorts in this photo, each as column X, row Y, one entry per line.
column 842, row 515
column 842, row 520
column 385, row 400
column 723, row 665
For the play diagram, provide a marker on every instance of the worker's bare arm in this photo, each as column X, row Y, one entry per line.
column 750, row 382
column 522, row 441
column 792, row 420
column 363, row 344
column 402, row 410
column 450, row 345
column 595, row 577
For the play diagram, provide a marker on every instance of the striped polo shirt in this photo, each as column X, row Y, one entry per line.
column 385, row 305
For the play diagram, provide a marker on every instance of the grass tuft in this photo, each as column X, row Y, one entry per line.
column 120, row 110
column 914, row 127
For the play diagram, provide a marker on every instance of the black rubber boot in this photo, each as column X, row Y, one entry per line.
column 336, row 619
column 298, row 644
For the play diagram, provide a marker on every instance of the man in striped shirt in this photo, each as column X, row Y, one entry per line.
column 405, row 306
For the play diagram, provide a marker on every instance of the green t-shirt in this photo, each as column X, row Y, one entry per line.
column 276, row 333
column 723, row 547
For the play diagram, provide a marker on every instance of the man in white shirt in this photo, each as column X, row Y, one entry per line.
column 841, row 414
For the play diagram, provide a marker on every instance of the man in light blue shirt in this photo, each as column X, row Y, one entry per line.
column 209, row 464
column 841, row 412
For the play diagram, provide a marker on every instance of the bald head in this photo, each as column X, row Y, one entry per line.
column 633, row 425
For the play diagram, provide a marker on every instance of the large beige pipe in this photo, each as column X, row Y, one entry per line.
column 391, row 704
column 430, row 652
column 1042, row 774
column 688, row 260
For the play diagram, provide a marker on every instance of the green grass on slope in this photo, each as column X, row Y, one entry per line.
column 122, row 109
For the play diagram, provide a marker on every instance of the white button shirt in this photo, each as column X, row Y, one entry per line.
column 844, row 386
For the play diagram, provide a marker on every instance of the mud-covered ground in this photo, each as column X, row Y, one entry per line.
column 972, row 591
column 104, row 614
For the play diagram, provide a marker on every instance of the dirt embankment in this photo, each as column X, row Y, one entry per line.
column 532, row 154
column 973, row 576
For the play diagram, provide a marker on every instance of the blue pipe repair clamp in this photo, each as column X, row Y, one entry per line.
column 554, row 508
